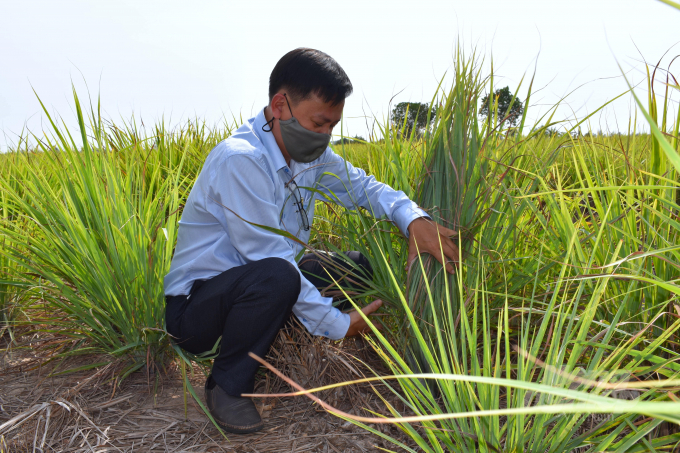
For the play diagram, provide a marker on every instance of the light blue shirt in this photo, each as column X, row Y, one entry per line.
column 246, row 173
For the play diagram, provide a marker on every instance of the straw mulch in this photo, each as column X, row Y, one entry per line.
column 86, row 412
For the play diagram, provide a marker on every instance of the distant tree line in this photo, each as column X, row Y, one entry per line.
column 552, row 131
column 349, row 140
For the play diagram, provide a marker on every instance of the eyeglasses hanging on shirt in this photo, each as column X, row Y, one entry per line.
column 303, row 220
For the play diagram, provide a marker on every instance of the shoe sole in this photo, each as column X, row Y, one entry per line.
column 238, row 429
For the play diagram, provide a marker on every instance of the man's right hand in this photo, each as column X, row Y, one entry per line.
column 357, row 324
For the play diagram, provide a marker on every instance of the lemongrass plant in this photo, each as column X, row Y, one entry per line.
column 570, row 256
column 458, row 172
column 513, row 382
column 581, row 335
column 8, row 293
column 13, row 289
column 102, row 224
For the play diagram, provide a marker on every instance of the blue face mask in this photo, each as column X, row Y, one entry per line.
column 302, row 145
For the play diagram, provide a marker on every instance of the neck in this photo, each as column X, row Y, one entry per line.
column 277, row 134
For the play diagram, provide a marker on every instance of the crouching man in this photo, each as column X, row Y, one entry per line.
column 232, row 278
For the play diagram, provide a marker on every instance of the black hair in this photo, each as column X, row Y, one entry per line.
column 303, row 72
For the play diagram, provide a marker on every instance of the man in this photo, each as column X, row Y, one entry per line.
column 233, row 277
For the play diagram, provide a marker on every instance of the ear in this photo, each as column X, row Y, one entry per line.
column 278, row 105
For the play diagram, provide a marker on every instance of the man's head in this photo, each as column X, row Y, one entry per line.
column 305, row 72
column 314, row 85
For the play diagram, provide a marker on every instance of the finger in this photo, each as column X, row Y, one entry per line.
column 412, row 253
column 447, row 259
column 452, row 260
column 446, row 231
column 451, row 251
column 373, row 306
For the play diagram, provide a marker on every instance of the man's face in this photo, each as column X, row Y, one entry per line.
column 314, row 114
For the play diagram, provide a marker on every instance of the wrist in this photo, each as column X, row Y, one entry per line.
column 413, row 222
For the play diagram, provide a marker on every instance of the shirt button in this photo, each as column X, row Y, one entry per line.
column 325, row 333
column 304, row 319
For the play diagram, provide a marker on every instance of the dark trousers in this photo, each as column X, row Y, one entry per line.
column 247, row 306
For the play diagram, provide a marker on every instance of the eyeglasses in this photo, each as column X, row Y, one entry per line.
column 303, row 220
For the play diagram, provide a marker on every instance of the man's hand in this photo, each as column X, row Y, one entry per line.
column 357, row 324
column 427, row 234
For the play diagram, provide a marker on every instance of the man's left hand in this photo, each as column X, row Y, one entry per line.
column 428, row 235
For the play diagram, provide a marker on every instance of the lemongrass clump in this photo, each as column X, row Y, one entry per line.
column 101, row 225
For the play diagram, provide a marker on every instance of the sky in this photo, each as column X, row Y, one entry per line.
column 174, row 60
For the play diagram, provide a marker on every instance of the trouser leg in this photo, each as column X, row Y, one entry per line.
column 246, row 306
column 316, row 271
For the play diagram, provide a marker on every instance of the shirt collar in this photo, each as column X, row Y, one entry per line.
column 269, row 142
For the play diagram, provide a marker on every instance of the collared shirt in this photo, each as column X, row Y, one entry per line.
column 243, row 180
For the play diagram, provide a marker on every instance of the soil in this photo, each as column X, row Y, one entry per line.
column 88, row 411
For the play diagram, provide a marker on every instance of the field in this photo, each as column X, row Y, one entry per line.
column 558, row 332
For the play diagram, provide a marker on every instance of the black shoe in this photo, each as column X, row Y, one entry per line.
column 234, row 414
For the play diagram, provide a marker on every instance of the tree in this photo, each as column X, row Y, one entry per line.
column 504, row 97
column 414, row 114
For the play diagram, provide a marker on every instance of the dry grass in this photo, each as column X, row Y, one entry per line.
column 86, row 412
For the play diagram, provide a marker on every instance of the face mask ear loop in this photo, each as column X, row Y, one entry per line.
column 291, row 110
column 270, row 124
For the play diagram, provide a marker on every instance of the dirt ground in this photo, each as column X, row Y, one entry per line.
column 82, row 412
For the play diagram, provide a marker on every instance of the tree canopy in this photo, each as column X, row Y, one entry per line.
column 414, row 115
column 504, row 97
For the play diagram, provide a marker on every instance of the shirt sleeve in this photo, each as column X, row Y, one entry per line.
column 242, row 187
column 351, row 187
